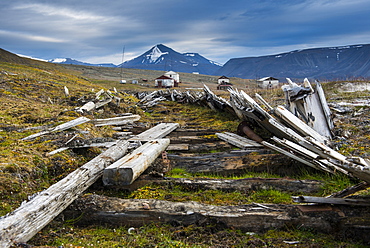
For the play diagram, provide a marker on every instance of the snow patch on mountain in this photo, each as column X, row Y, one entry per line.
column 155, row 54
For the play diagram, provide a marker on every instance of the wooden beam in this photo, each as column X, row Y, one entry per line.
column 157, row 132
column 22, row 224
column 130, row 167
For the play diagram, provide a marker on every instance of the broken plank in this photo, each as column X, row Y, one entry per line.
column 238, row 141
column 157, row 132
column 116, row 121
column 60, row 127
column 130, row 167
column 23, row 223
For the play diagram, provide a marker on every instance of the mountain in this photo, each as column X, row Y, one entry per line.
column 317, row 63
column 163, row 58
column 70, row 61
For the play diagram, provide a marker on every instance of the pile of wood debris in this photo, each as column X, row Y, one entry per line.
column 302, row 129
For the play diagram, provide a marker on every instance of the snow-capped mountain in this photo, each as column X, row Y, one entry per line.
column 163, row 58
column 70, row 61
column 342, row 62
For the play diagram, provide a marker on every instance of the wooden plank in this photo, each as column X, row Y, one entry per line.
column 238, row 141
column 22, row 224
column 130, row 167
column 298, row 125
column 118, row 121
column 157, row 132
column 331, row 200
column 60, row 127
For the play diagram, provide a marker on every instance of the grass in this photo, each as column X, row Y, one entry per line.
column 163, row 235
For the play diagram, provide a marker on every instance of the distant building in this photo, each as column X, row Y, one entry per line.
column 165, row 82
column 223, row 79
column 268, row 82
column 224, row 86
column 173, row 75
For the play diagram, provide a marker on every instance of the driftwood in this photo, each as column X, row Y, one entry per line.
column 252, row 217
column 59, row 128
column 127, row 169
column 22, row 224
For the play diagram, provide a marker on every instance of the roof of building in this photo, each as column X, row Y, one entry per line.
column 164, row 77
column 223, row 77
column 267, row 78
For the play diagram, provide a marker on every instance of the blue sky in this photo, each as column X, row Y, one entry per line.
column 95, row 31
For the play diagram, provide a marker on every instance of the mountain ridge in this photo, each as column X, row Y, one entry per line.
column 316, row 63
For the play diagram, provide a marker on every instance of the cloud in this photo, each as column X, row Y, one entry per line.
column 218, row 30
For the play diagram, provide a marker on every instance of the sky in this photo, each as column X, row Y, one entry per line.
column 97, row 31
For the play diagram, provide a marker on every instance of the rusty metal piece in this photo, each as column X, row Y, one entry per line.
column 244, row 128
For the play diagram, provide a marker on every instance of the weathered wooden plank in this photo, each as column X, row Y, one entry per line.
column 59, row 128
column 22, row 224
column 298, row 125
column 238, row 141
column 157, row 132
column 130, row 167
column 121, row 120
column 331, row 200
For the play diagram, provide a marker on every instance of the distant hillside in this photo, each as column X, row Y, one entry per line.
column 318, row 63
column 163, row 58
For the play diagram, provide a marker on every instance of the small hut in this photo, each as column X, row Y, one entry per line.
column 268, row 82
column 223, row 80
column 164, row 82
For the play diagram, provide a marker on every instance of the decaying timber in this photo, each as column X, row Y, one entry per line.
column 22, row 224
column 127, row 169
column 252, row 217
column 232, row 185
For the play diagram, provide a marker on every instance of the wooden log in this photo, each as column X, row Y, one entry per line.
column 101, row 210
column 157, row 132
column 118, row 121
column 127, row 169
column 22, row 224
column 59, row 128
